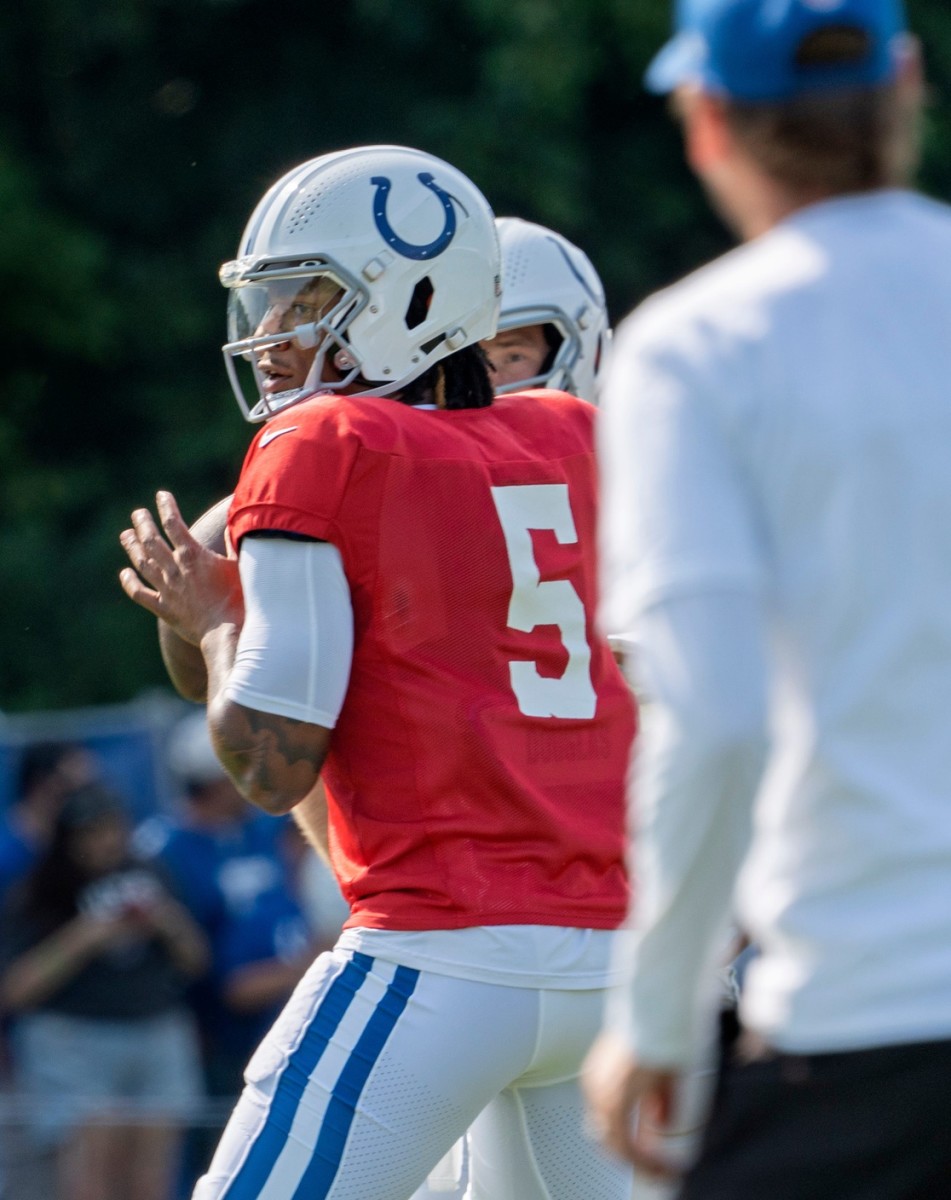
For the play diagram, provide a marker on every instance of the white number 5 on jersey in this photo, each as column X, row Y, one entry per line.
column 550, row 602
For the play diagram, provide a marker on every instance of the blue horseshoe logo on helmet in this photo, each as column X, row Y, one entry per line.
column 408, row 249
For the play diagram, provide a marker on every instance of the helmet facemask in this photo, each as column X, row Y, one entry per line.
column 301, row 306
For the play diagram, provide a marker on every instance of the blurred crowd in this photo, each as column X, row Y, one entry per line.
column 140, row 964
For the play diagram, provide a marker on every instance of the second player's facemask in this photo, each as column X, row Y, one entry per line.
column 557, row 371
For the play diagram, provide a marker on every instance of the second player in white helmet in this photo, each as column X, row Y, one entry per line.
column 553, row 328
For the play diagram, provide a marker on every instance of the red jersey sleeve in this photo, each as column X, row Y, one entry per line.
column 295, row 474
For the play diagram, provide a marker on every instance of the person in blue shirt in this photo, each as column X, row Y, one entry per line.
column 222, row 852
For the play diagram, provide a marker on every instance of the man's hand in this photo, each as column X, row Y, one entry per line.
column 274, row 761
column 631, row 1106
column 184, row 662
column 190, row 587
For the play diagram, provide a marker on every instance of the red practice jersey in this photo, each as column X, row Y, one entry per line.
column 476, row 775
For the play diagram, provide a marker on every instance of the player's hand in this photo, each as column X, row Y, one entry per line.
column 187, row 585
column 630, row 1106
column 184, row 662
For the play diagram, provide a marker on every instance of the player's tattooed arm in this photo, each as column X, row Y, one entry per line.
column 274, row 761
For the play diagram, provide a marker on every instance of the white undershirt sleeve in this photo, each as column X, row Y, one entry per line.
column 702, row 752
column 295, row 649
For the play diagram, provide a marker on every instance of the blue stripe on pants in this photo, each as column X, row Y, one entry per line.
column 335, row 1127
column 269, row 1143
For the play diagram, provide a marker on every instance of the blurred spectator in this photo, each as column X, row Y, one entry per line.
column 221, row 852
column 97, row 955
column 261, row 952
column 47, row 771
column 242, row 875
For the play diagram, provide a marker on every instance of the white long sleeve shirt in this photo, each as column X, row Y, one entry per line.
column 776, row 456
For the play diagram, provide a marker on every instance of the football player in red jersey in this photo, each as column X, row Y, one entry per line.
column 553, row 332
column 410, row 610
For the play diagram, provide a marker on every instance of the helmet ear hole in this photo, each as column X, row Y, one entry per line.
column 418, row 307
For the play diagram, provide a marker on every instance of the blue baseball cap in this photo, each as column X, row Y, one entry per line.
column 750, row 49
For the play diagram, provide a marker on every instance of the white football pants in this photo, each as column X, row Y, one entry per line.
column 373, row 1071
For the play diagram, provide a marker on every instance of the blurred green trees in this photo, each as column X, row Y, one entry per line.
column 135, row 137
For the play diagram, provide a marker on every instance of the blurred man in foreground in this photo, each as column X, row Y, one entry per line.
column 777, row 506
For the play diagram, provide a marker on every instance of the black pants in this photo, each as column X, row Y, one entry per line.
column 862, row 1125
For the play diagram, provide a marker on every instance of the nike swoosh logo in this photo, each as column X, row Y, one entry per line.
column 275, row 433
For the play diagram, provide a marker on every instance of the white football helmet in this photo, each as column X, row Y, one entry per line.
column 396, row 254
column 547, row 280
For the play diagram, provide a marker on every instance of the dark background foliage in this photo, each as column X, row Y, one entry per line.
column 136, row 136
